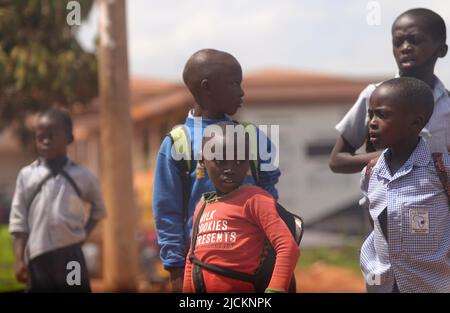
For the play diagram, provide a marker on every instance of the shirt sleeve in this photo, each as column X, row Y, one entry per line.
column 187, row 281
column 18, row 219
column 269, row 173
column 167, row 204
column 261, row 210
column 95, row 198
column 353, row 126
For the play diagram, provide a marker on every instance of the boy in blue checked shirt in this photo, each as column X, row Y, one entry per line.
column 409, row 248
column 214, row 79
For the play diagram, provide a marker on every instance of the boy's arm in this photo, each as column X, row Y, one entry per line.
column 20, row 242
column 344, row 160
column 353, row 132
column 261, row 210
column 269, row 173
column 167, row 204
column 90, row 225
column 18, row 227
column 98, row 210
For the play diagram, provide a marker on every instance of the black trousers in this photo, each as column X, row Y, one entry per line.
column 49, row 272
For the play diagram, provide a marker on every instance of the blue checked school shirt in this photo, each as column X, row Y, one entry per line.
column 416, row 252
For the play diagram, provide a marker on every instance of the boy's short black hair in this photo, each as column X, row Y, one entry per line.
column 435, row 23
column 417, row 94
column 62, row 117
column 204, row 63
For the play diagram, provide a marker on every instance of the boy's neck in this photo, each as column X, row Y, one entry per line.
column 57, row 163
column 427, row 76
column 200, row 112
column 222, row 194
column 400, row 154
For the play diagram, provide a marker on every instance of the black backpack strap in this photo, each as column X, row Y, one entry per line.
column 46, row 178
column 197, row 275
column 223, row 271
column 442, row 173
column 38, row 189
column 185, row 175
column 71, row 182
column 255, row 170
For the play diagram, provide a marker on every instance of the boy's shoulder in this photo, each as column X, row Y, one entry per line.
column 30, row 169
column 81, row 172
column 369, row 89
column 253, row 192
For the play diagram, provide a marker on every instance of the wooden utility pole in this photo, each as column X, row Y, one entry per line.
column 120, row 248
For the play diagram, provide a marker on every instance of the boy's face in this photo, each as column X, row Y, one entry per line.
column 391, row 123
column 51, row 138
column 414, row 48
column 225, row 91
column 227, row 175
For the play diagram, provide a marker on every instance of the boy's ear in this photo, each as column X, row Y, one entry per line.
column 204, row 84
column 70, row 138
column 418, row 122
column 443, row 51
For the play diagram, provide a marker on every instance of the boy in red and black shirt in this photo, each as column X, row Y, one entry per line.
column 235, row 221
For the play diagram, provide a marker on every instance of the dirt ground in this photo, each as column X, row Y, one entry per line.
column 319, row 277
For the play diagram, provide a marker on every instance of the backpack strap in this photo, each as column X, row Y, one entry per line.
column 71, row 181
column 197, row 276
column 38, row 189
column 185, row 162
column 181, row 144
column 46, row 178
column 442, row 173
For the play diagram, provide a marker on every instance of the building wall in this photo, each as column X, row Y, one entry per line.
column 10, row 165
column 306, row 136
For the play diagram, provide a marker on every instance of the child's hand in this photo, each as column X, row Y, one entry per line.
column 21, row 271
column 176, row 279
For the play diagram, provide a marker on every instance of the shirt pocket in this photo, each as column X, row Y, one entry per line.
column 73, row 214
column 421, row 226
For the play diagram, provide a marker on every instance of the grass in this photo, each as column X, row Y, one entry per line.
column 346, row 257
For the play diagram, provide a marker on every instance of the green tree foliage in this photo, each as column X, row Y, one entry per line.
column 41, row 62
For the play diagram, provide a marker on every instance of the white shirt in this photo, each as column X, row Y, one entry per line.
column 353, row 126
column 55, row 218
